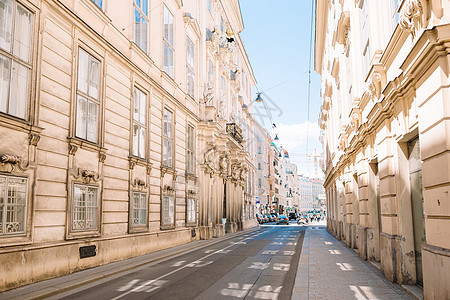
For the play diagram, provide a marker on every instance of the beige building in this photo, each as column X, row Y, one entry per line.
column 385, row 110
column 122, row 127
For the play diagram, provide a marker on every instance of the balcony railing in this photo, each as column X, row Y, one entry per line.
column 235, row 132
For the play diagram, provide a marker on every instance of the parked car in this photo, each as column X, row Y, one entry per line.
column 302, row 220
column 259, row 219
column 293, row 216
column 267, row 218
column 272, row 218
column 282, row 219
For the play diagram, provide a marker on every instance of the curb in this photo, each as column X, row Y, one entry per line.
column 301, row 285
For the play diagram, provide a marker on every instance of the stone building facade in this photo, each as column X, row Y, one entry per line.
column 122, row 127
column 385, row 111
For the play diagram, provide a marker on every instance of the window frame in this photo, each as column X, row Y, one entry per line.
column 169, row 41
column 168, row 138
column 143, row 125
column 190, row 150
column 4, row 208
column 191, row 210
column 89, row 98
column 164, row 224
column 85, row 230
column 140, row 225
column 190, row 69
column 145, row 16
column 15, row 59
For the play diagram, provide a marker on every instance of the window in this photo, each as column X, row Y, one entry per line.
column 190, row 67
column 224, row 92
column 13, row 199
column 259, row 182
column 208, row 5
column 84, row 208
column 259, row 166
column 210, row 71
column 167, row 138
column 139, row 123
column 139, row 217
column 190, row 149
column 168, row 42
column 15, row 51
column 141, row 24
column 190, row 210
column 87, row 96
column 168, row 210
column 99, row 3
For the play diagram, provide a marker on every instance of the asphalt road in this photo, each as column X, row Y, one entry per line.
column 261, row 264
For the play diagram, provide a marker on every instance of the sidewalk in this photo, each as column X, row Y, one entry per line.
column 329, row 270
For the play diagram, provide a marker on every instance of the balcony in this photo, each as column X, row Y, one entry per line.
column 235, row 132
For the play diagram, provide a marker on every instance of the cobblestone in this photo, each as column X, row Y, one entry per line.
column 329, row 270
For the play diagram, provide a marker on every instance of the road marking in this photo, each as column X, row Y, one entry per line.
column 170, row 273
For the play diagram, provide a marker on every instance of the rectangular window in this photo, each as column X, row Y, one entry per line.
column 88, row 96
column 167, row 138
column 259, row 182
column 16, row 24
column 168, row 42
column 190, row 150
column 84, row 208
column 139, row 123
column 139, row 217
column 99, row 3
column 13, row 200
column 190, row 210
column 208, row 5
column 190, row 68
column 141, row 21
column 168, row 210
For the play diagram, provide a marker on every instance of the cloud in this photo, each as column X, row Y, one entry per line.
column 293, row 138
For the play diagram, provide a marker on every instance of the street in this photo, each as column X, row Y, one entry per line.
column 261, row 264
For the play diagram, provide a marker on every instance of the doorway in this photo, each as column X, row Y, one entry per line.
column 418, row 218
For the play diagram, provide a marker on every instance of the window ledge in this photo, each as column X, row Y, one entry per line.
column 82, row 234
column 138, row 229
column 18, row 124
column 167, row 227
column 20, row 239
column 85, row 144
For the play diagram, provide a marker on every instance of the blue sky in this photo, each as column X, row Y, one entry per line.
column 277, row 40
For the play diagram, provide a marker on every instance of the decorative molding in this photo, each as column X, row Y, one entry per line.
column 191, row 194
column 34, row 139
column 139, row 184
column 73, row 149
column 12, row 161
column 413, row 16
column 374, row 86
column 210, row 160
column 167, row 170
column 168, row 190
column 101, row 157
column 86, row 175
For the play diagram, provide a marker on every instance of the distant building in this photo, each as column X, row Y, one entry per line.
column 311, row 192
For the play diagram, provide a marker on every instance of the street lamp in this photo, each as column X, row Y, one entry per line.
column 258, row 98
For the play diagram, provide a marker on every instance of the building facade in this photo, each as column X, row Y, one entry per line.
column 311, row 191
column 384, row 116
column 262, row 169
column 123, row 131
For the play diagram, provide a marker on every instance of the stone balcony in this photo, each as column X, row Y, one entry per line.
column 235, row 132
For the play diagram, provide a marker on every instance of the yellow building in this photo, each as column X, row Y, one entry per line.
column 104, row 129
column 385, row 110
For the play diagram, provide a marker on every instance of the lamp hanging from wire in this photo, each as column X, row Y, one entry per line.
column 276, row 137
column 258, row 98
